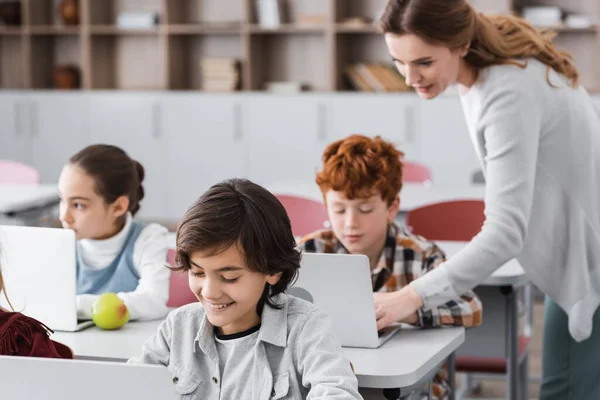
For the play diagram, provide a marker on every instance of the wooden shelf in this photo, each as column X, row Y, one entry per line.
column 288, row 29
column 54, row 30
column 49, row 51
column 314, row 45
column 368, row 29
column 203, row 29
column 10, row 31
column 114, row 30
column 186, row 53
column 570, row 29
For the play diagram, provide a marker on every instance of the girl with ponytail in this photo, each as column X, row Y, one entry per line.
column 100, row 190
column 537, row 135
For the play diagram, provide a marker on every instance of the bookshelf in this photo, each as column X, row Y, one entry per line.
column 314, row 46
column 12, row 52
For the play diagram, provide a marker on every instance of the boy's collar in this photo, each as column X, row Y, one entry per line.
column 206, row 338
column 274, row 326
column 387, row 253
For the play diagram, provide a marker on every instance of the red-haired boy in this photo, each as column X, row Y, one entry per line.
column 361, row 179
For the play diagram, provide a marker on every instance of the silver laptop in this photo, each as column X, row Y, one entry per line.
column 40, row 276
column 340, row 285
column 25, row 378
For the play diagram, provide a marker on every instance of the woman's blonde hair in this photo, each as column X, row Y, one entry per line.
column 492, row 40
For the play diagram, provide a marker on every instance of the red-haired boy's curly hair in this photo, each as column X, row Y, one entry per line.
column 360, row 167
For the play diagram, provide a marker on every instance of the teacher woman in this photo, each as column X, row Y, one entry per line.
column 537, row 135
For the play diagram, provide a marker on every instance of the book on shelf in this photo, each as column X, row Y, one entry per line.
column 375, row 77
column 286, row 87
column 220, row 74
column 271, row 13
column 543, row 15
column 356, row 22
column 309, row 19
column 580, row 21
column 137, row 20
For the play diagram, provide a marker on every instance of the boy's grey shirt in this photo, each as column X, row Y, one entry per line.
column 297, row 355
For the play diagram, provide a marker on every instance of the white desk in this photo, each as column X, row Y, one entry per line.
column 16, row 201
column 408, row 359
column 118, row 345
column 506, row 279
column 411, row 196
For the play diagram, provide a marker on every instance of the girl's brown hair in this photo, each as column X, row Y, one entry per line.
column 115, row 173
column 492, row 40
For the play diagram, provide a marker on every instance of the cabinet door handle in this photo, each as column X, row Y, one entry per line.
column 18, row 122
column 35, row 119
column 238, row 130
column 156, row 120
column 322, row 121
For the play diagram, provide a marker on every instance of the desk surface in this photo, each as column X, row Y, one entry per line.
column 15, row 198
column 401, row 362
column 406, row 358
column 412, row 195
column 117, row 345
column 511, row 273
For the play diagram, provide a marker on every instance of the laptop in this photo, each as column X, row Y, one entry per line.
column 340, row 285
column 25, row 378
column 40, row 275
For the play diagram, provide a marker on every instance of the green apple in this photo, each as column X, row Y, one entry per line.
column 109, row 311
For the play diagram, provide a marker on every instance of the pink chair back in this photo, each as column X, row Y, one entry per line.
column 413, row 172
column 451, row 220
column 16, row 172
column 180, row 293
column 306, row 215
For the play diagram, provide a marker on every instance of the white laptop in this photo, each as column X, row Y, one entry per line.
column 340, row 285
column 26, row 378
column 40, row 275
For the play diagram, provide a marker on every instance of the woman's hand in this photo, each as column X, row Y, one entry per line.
column 400, row 306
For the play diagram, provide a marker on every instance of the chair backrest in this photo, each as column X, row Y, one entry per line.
column 451, row 220
column 413, row 172
column 306, row 215
column 180, row 293
column 16, row 172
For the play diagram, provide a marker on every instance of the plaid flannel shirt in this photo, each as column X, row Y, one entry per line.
column 406, row 257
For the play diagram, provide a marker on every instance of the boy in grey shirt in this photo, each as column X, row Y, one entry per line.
column 247, row 339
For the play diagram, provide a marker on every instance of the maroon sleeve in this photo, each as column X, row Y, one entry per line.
column 24, row 336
